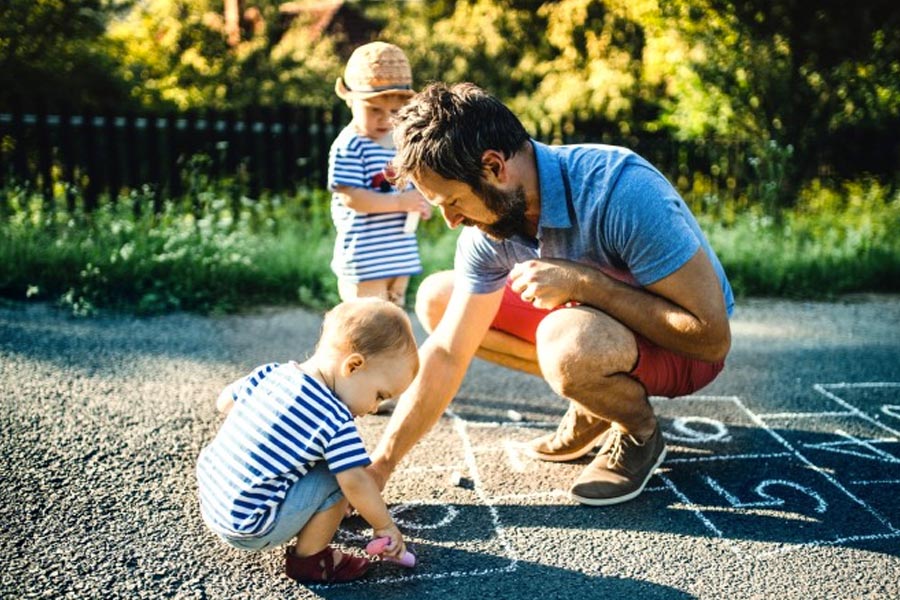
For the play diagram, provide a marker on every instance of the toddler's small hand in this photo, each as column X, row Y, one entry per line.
column 425, row 209
column 397, row 547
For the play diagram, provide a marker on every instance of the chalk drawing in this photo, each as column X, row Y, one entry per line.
column 892, row 410
column 766, row 495
column 450, row 514
column 768, row 499
column 688, row 433
column 850, row 440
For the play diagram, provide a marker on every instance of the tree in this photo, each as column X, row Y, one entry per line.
column 56, row 52
column 182, row 54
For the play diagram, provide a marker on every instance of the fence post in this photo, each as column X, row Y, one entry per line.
column 113, row 159
column 250, row 158
column 66, row 156
column 287, row 117
column 45, row 164
column 304, row 144
column 173, row 158
column 91, row 192
column 154, row 147
column 270, row 138
column 20, row 153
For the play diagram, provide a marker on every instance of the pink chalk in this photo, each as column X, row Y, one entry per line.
column 379, row 545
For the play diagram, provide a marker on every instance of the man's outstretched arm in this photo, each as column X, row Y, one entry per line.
column 444, row 358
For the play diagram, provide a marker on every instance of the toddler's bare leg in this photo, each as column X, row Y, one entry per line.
column 320, row 530
column 396, row 290
column 363, row 289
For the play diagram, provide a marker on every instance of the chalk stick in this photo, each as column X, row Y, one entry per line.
column 379, row 545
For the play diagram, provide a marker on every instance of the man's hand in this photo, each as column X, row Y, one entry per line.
column 546, row 283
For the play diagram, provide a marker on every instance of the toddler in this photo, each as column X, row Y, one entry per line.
column 288, row 457
column 375, row 251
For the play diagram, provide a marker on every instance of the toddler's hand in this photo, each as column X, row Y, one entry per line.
column 397, row 547
column 425, row 209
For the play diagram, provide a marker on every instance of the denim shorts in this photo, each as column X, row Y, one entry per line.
column 316, row 491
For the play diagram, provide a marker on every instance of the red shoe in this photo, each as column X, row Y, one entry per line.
column 321, row 568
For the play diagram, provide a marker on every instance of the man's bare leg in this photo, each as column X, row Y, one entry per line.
column 580, row 430
column 586, row 355
column 497, row 347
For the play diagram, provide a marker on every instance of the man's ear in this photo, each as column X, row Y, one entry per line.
column 493, row 166
column 352, row 363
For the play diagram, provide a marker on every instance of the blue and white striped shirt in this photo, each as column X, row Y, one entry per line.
column 368, row 245
column 282, row 423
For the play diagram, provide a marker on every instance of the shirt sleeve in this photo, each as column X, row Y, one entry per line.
column 480, row 267
column 646, row 227
column 346, row 450
column 346, row 165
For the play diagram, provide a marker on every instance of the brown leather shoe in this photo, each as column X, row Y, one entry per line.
column 621, row 469
column 578, row 433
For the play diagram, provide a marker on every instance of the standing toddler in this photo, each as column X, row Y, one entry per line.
column 375, row 251
column 288, row 457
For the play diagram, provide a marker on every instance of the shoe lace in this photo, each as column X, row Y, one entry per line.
column 615, row 445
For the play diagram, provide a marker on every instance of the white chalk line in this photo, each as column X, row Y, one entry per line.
column 459, row 425
column 512, row 424
column 851, row 440
column 834, row 542
column 433, row 468
column 514, row 456
column 876, row 482
column 554, row 493
column 862, row 384
column 755, row 418
column 821, row 388
column 721, row 457
column 804, row 415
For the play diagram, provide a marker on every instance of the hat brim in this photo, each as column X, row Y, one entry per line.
column 345, row 93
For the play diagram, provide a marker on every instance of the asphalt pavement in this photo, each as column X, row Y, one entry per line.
column 782, row 477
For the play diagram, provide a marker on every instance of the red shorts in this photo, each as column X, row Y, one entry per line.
column 662, row 372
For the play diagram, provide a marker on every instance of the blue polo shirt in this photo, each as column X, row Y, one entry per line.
column 603, row 206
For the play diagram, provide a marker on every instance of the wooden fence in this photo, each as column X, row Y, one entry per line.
column 261, row 149
column 265, row 149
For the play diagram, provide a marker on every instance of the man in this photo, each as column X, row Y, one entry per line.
column 580, row 264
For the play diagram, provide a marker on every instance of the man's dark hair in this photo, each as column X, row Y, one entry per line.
column 448, row 128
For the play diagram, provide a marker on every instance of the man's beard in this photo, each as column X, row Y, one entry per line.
column 509, row 207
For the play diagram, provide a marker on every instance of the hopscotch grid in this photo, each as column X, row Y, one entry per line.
column 698, row 511
column 814, row 466
column 792, row 452
column 759, row 419
column 721, row 457
column 821, row 388
column 460, row 425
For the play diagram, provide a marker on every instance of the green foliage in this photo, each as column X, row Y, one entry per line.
column 201, row 254
column 207, row 254
column 836, row 241
column 56, row 52
column 176, row 54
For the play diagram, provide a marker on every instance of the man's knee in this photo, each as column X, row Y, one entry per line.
column 579, row 347
column 432, row 298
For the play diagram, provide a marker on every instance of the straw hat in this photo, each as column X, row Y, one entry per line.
column 375, row 69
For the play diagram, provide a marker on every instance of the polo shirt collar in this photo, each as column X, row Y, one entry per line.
column 554, row 199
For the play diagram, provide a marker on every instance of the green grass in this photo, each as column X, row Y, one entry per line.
column 211, row 253
column 836, row 241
